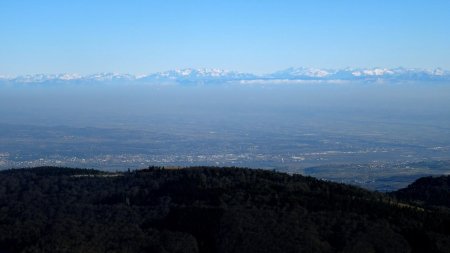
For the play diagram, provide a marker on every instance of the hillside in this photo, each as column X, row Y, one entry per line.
column 206, row 210
column 430, row 191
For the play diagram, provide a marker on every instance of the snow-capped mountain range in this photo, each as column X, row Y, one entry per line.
column 206, row 76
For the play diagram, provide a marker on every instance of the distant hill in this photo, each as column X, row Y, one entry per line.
column 203, row 209
column 430, row 191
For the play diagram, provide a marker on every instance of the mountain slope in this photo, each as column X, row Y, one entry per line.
column 205, row 210
column 430, row 191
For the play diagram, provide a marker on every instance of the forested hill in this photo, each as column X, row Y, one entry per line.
column 206, row 210
column 430, row 191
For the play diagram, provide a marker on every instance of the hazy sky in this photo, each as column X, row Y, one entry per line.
column 88, row 36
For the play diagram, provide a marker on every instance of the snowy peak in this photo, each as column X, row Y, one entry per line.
column 110, row 77
column 198, row 74
column 302, row 72
column 357, row 74
column 39, row 78
column 373, row 72
column 67, row 78
column 207, row 76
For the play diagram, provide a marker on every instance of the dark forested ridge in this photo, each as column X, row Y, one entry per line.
column 429, row 191
column 207, row 210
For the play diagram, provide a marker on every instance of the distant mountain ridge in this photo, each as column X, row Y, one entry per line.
column 205, row 75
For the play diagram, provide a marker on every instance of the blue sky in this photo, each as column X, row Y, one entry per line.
column 257, row 36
